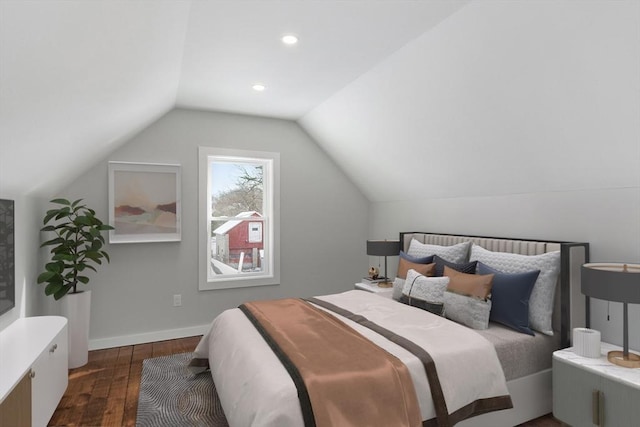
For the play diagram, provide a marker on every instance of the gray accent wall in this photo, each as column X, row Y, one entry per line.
column 324, row 225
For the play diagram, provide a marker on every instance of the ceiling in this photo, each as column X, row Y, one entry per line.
column 77, row 79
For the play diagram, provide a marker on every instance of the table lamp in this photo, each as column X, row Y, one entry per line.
column 383, row 248
column 619, row 283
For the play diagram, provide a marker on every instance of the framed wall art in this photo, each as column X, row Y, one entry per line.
column 144, row 202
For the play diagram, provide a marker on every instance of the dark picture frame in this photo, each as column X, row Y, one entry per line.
column 7, row 256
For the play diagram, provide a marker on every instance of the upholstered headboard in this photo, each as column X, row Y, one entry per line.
column 569, row 303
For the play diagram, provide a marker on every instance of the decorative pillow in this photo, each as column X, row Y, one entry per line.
column 472, row 285
column 424, row 269
column 542, row 295
column 469, row 311
column 510, row 297
column 424, row 292
column 431, row 307
column 398, row 284
column 467, row 267
column 456, row 253
column 417, row 260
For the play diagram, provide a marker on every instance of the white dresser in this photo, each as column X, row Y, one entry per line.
column 33, row 361
column 595, row 392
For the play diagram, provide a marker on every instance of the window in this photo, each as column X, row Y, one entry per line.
column 239, row 218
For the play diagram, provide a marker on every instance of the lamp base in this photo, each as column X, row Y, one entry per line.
column 385, row 284
column 617, row 358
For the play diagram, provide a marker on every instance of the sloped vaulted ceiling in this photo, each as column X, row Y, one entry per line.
column 78, row 78
column 501, row 98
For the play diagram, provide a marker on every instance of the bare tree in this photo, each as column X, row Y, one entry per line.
column 246, row 196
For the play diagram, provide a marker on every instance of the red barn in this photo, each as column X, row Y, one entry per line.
column 240, row 236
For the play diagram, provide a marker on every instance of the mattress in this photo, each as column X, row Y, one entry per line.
column 521, row 354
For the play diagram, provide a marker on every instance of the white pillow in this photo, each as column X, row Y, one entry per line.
column 398, row 284
column 469, row 311
column 426, row 293
column 543, row 293
column 455, row 253
column 429, row 289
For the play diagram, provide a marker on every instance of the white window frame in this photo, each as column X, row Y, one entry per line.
column 271, row 225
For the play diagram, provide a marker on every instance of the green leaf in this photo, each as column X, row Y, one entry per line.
column 52, row 288
column 63, row 257
column 83, row 279
column 82, row 220
column 46, row 276
column 61, row 202
column 56, row 241
column 62, row 292
column 54, row 267
column 95, row 258
column 50, row 214
column 63, row 213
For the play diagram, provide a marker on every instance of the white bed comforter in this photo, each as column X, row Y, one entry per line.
column 256, row 390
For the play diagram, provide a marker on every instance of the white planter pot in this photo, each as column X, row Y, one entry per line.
column 77, row 309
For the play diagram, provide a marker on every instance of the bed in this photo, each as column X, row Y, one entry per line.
column 255, row 389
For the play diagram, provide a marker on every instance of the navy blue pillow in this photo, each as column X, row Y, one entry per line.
column 416, row 260
column 467, row 267
column 510, row 297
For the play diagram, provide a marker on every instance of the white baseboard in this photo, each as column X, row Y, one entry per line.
column 124, row 340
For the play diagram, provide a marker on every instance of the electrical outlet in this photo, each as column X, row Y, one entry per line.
column 177, row 300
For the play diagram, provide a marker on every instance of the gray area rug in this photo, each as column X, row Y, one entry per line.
column 170, row 395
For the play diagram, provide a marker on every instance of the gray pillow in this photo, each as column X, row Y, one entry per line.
column 428, row 288
column 424, row 292
column 455, row 253
column 543, row 293
column 469, row 311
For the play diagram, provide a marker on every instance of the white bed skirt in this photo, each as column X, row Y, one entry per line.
column 531, row 397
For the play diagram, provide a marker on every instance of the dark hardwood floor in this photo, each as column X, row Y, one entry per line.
column 104, row 392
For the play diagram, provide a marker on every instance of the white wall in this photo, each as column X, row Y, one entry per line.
column 323, row 229
column 515, row 119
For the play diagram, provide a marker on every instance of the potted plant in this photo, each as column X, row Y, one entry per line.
column 77, row 247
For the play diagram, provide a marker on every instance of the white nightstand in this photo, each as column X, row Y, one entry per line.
column 383, row 292
column 590, row 391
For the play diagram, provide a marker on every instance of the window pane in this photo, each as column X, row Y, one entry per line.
column 237, row 217
column 237, row 246
column 236, row 188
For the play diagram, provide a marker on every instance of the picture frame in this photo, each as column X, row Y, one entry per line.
column 7, row 256
column 144, row 202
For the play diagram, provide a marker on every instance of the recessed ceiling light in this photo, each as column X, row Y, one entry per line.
column 289, row 39
column 259, row 87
